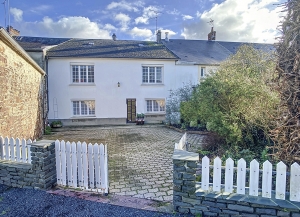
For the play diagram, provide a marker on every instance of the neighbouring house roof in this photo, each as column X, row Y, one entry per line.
column 6, row 38
column 108, row 48
column 38, row 43
column 204, row 52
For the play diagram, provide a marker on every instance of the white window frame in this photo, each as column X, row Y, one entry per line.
column 85, row 78
column 155, row 74
column 82, row 107
column 153, row 103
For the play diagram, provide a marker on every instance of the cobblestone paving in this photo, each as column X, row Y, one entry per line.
column 140, row 157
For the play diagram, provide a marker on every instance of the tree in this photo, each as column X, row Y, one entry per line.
column 286, row 134
column 238, row 101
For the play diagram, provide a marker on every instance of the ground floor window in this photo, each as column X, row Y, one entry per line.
column 155, row 105
column 83, row 108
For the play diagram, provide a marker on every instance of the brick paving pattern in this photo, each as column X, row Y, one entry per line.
column 139, row 157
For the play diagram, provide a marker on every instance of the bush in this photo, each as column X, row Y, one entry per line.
column 238, row 102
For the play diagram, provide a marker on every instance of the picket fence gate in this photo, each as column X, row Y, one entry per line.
column 182, row 143
column 266, row 184
column 15, row 149
column 79, row 165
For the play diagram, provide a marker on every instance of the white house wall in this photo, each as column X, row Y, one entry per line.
column 110, row 100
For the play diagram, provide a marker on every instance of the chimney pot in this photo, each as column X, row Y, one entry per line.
column 166, row 38
column 212, row 35
column 114, row 37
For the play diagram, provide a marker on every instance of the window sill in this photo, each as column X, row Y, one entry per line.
column 155, row 113
column 82, row 117
column 82, row 84
column 144, row 84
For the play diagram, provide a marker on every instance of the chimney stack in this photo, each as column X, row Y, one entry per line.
column 166, row 38
column 158, row 36
column 212, row 35
column 12, row 32
column 114, row 37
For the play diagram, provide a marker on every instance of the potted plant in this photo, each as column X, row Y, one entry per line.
column 56, row 124
column 139, row 119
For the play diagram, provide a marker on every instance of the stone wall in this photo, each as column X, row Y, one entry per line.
column 21, row 82
column 189, row 199
column 40, row 174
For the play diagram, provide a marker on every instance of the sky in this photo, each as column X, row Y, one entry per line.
column 233, row 20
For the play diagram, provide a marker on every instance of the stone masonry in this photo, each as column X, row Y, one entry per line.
column 21, row 81
column 189, row 199
column 40, row 174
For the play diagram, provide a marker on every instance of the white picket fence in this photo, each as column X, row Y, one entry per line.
column 182, row 143
column 15, row 149
column 82, row 166
column 254, row 184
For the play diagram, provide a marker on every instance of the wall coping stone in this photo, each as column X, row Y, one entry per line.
column 42, row 143
column 268, row 202
column 185, row 155
column 15, row 164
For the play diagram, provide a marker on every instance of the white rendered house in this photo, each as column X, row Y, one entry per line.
column 95, row 81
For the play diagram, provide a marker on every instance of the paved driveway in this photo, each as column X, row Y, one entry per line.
column 140, row 157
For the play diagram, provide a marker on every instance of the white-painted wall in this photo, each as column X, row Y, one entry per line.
column 109, row 98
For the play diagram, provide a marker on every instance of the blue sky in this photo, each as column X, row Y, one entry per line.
column 234, row 20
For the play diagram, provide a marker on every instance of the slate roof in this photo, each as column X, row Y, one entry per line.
column 37, row 43
column 204, row 52
column 108, row 48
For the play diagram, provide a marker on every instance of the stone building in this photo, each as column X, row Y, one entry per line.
column 21, row 92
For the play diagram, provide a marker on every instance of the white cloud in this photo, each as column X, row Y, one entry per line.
column 123, row 5
column 187, row 17
column 236, row 20
column 123, row 20
column 40, row 9
column 17, row 14
column 141, row 33
column 69, row 27
column 109, row 27
column 148, row 13
column 174, row 12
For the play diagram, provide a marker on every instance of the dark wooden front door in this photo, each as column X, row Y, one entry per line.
column 131, row 110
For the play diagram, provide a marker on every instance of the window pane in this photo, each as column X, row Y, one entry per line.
column 158, row 75
column 202, row 71
column 151, row 74
column 149, row 105
column 91, row 74
column 145, row 74
column 76, row 108
column 91, row 107
column 83, row 74
column 162, row 106
column 75, row 74
column 83, row 108
column 155, row 106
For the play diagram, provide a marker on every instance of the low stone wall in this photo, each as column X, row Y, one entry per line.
column 188, row 198
column 40, row 174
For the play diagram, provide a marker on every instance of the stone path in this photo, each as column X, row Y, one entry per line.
column 140, row 157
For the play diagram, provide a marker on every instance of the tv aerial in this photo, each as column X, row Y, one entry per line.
column 211, row 22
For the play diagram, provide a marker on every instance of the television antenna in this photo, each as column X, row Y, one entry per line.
column 6, row 13
column 156, row 17
column 4, row 4
column 211, row 22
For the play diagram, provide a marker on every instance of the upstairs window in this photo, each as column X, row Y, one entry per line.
column 152, row 75
column 202, row 72
column 82, row 73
